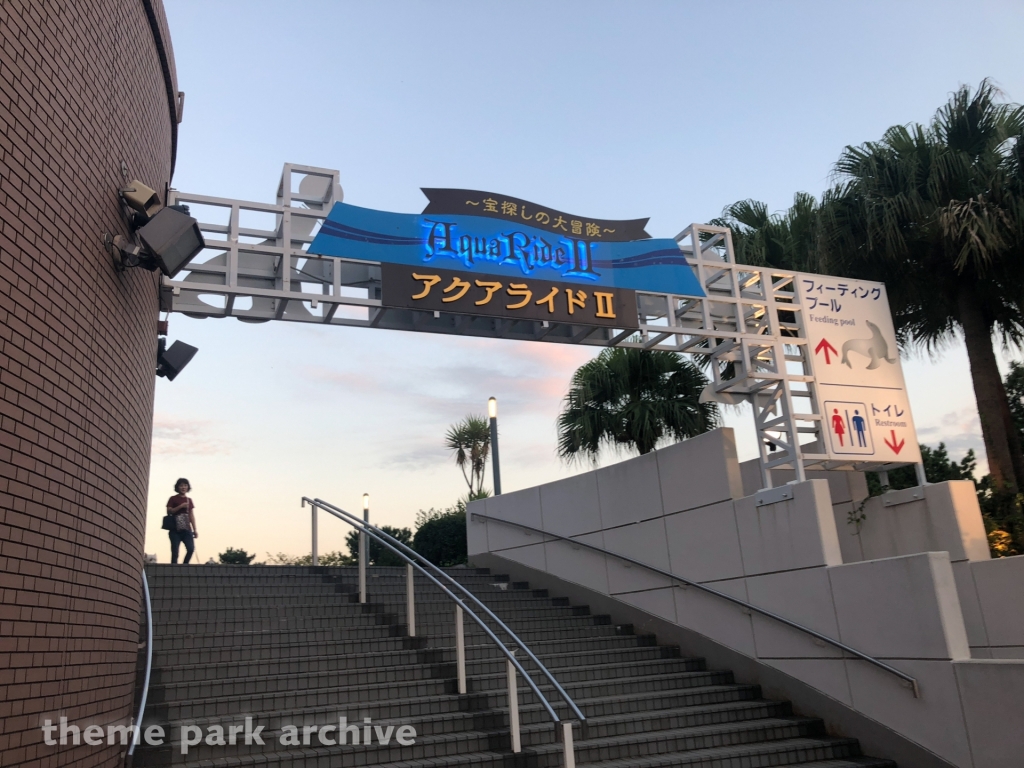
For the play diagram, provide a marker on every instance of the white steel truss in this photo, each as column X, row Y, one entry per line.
column 749, row 329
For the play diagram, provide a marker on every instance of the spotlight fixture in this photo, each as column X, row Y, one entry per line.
column 171, row 360
column 170, row 239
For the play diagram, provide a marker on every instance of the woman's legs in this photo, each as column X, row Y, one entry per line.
column 190, row 546
column 175, row 544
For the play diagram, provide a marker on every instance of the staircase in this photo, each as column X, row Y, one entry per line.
column 292, row 645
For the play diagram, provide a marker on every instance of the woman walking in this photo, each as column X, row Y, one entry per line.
column 184, row 529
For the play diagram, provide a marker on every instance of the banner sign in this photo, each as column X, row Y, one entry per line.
column 518, row 298
column 471, row 202
column 503, row 248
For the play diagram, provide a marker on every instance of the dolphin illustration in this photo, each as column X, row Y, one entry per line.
column 876, row 347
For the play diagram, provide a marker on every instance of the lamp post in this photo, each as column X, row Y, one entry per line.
column 363, row 544
column 492, row 412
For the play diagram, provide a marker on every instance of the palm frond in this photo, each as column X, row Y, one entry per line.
column 627, row 398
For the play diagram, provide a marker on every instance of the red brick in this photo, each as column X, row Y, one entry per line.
column 76, row 361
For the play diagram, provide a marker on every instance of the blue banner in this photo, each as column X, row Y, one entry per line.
column 494, row 247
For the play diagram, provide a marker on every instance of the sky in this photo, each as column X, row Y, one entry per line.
column 671, row 110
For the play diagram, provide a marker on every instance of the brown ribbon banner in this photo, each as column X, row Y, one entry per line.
column 471, row 202
column 465, row 293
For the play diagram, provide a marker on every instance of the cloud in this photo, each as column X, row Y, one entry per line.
column 960, row 430
column 182, row 437
column 423, row 454
column 528, row 378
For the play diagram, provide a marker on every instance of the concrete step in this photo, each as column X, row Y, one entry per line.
column 533, row 737
column 791, row 751
column 292, row 645
column 482, row 676
column 302, row 649
column 594, row 703
column 215, row 637
column 233, row 611
column 476, row 663
column 805, row 753
column 341, row 594
column 534, row 714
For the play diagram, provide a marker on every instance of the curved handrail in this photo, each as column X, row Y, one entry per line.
column 465, row 590
column 149, row 664
column 380, row 537
column 748, row 606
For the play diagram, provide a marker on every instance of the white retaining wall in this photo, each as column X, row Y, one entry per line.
column 913, row 586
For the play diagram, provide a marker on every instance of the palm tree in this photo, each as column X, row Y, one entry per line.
column 634, row 398
column 782, row 240
column 470, row 442
column 937, row 213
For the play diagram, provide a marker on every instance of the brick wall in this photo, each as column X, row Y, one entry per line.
column 83, row 89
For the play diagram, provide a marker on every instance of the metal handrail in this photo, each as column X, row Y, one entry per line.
column 696, row 585
column 149, row 663
column 511, row 660
column 410, row 552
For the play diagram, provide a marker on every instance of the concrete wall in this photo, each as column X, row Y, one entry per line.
column 683, row 509
column 944, row 517
column 86, row 90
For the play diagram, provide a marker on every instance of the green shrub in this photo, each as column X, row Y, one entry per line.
column 442, row 538
column 232, row 556
column 379, row 554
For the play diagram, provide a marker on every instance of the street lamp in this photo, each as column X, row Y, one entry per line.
column 492, row 412
column 363, row 544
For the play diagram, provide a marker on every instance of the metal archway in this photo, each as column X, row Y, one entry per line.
column 755, row 326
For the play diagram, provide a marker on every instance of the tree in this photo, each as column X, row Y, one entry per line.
column 937, row 213
column 1014, row 384
column 441, row 536
column 782, row 240
column 470, row 442
column 378, row 554
column 938, row 468
column 232, row 556
column 325, row 558
column 632, row 398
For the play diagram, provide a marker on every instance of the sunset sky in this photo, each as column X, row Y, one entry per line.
column 610, row 110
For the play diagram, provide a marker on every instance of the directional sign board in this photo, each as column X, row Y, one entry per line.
column 865, row 410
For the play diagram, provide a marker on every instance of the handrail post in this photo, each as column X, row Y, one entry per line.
column 460, row 649
column 362, row 556
column 568, row 751
column 513, row 707
column 410, row 600
column 316, row 560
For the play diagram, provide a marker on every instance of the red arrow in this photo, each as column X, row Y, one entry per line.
column 824, row 345
column 896, row 447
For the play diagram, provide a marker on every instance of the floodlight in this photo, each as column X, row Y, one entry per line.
column 172, row 238
column 169, row 241
column 171, row 360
